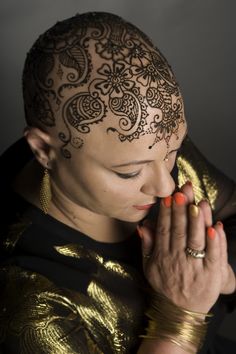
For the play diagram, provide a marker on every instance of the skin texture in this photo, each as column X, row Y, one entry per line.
column 101, row 95
column 188, row 278
column 94, row 196
column 96, row 68
column 97, row 93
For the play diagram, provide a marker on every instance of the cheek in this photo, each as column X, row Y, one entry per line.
column 96, row 187
column 121, row 193
column 171, row 162
column 124, row 190
column 107, row 189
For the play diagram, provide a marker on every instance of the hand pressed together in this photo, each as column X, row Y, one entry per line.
column 192, row 283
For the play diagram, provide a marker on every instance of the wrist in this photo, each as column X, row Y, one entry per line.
column 169, row 322
column 158, row 346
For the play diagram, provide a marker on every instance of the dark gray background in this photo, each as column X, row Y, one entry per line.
column 197, row 37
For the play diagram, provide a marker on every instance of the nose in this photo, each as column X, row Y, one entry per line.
column 160, row 183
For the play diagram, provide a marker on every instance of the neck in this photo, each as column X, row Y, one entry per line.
column 99, row 227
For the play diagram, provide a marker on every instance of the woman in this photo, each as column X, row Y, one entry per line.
column 105, row 122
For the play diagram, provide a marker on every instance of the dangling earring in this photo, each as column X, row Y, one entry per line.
column 45, row 194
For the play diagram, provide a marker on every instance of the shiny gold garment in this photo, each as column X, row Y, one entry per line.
column 208, row 182
column 63, row 293
column 39, row 317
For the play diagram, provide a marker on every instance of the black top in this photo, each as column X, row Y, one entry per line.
column 64, row 292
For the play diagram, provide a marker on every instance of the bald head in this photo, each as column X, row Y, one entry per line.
column 96, row 71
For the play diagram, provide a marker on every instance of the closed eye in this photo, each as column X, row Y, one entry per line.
column 127, row 176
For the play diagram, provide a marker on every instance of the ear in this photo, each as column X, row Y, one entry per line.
column 40, row 143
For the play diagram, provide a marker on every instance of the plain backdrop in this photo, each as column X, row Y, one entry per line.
column 197, row 37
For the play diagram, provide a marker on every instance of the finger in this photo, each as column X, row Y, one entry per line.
column 230, row 285
column 150, row 224
column 213, row 252
column 187, row 189
column 228, row 274
column 223, row 243
column 147, row 239
column 196, row 229
column 179, row 223
column 162, row 234
column 207, row 212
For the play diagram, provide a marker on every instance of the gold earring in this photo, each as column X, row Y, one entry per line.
column 45, row 194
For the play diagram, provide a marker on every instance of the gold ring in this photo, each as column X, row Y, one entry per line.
column 195, row 253
column 146, row 256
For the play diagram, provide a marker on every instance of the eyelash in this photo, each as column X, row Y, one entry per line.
column 126, row 176
column 137, row 175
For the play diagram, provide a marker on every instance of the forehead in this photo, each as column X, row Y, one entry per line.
column 130, row 97
column 107, row 75
column 106, row 149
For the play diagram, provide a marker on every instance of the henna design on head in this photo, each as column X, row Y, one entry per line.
column 113, row 46
column 96, row 66
column 167, row 122
column 80, row 111
column 132, row 109
column 116, row 80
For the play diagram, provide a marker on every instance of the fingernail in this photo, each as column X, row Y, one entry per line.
column 204, row 200
column 211, row 232
column 220, row 224
column 194, row 211
column 189, row 183
column 140, row 232
column 168, row 201
column 179, row 198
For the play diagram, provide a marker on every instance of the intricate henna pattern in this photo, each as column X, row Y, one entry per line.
column 80, row 111
column 132, row 110
column 113, row 47
column 116, row 80
column 96, row 65
column 167, row 122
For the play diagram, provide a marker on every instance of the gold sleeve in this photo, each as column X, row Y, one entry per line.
column 208, row 182
column 104, row 316
column 37, row 317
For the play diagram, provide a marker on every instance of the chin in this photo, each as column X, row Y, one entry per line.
column 137, row 217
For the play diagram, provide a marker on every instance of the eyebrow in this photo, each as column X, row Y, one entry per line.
column 136, row 162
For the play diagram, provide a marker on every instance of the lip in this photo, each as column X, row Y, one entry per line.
column 143, row 207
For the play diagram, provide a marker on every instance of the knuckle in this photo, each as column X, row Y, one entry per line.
column 179, row 233
column 195, row 244
column 161, row 256
column 162, row 229
column 212, row 259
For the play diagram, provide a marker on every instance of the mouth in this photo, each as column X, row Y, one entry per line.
column 143, row 207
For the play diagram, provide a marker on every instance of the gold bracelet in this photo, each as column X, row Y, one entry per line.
column 180, row 326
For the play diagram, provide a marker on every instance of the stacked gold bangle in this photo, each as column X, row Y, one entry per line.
column 182, row 327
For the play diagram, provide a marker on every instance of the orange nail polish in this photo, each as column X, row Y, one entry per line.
column 220, row 224
column 168, row 201
column 179, row 198
column 211, row 233
column 140, row 232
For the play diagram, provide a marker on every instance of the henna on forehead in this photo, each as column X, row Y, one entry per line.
column 96, row 67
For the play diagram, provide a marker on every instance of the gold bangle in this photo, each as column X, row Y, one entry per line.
column 178, row 325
